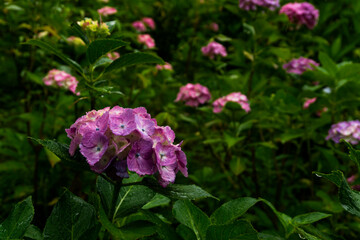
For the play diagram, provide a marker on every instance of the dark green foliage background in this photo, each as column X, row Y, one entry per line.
column 270, row 152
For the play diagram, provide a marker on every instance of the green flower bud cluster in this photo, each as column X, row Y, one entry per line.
column 94, row 29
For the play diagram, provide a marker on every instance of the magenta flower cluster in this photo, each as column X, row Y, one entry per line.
column 349, row 131
column 300, row 65
column 213, row 49
column 141, row 26
column 253, row 4
column 61, row 79
column 147, row 40
column 193, row 94
column 120, row 139
column 301, row 14
column 236, row 97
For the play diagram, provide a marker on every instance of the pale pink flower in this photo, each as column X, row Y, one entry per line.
column 113, row 55
column 61, row 79
column 106, row 11
column 213, row 49
column 166, row 66
column 147, row 40
column 308, row 102
column 214, row 26
column 193, row 94
column 236, row 97
column 149, row 22
column 139, row 26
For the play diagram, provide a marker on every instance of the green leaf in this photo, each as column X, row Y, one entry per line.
column 105, row 191
column 77, row 30
column 131, row 199
column 283, row 218
column 192, row 217
column 290, row 135
column 98, row 48
column 238, row 230
column 47, row 47
column 334, row 177
column 157, row 201
column 265, row 236
column 111, row 25
column 354, row 154
column 33, row 232
column 349, row 199
column 185, row 232
column 132, row 59
column 71, row 218
column 232, row 210
column 308, row 218
column 164, row 230
column 128, row 231
column 305, row 235
column 62, row 151
column 177, row 191
column 15, row 225
column 349, row 70
column 328, row 64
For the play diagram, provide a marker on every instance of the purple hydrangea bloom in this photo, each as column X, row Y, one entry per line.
column 193, row 94
column 253, row 4
column 213, row 49
column 120, row 139
column 93, row 146
column 301, row 14
column 349, row 131
column 124, row 123
column 300, row 65
column 140, row 158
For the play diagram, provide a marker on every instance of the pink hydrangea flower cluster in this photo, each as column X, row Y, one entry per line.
column 214, row 27
column 143, row 23
column 213, row 49
column 253, row 4
column 301, row 14
column 106, row 11
column 349, row 131
column 308, row 102
column 193, row 94
column 236, row 97
column 113, row 55
column 147, row 40
column 139, row 26
column 166, row 66
column 61, row 79
column 120, row 139
column 300, row 65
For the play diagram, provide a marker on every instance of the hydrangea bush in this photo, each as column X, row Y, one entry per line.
column 264, row 133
